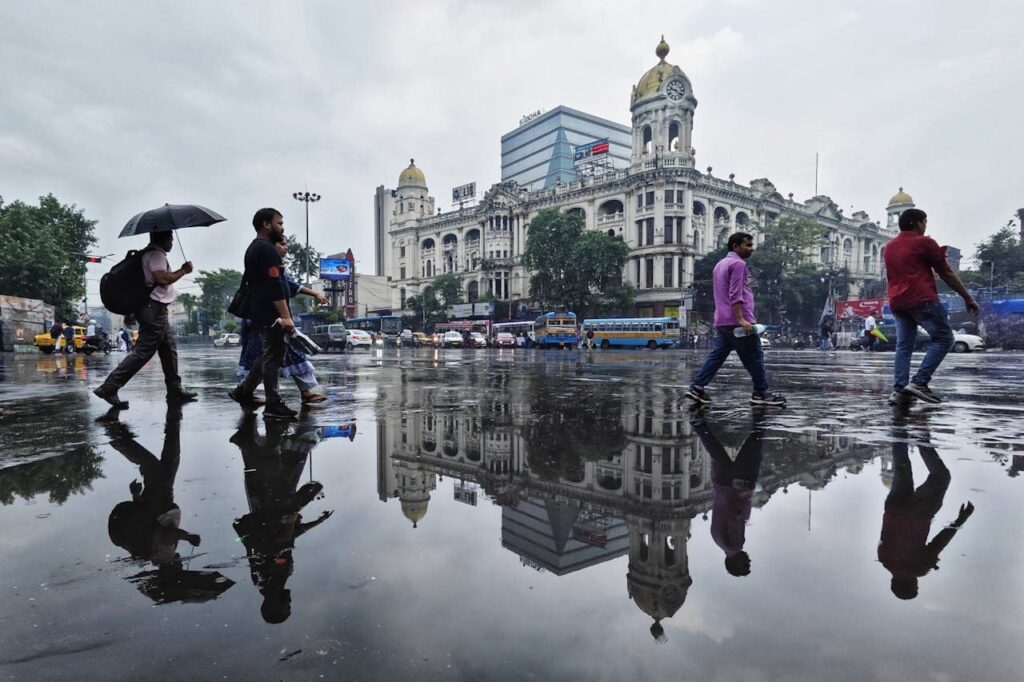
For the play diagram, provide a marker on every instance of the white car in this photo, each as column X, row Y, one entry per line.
column 225, row 340
column 477, row 340
column 505, row 339
column 357, row 338
column 765, row 342
column 451, row 340
column 966, row 343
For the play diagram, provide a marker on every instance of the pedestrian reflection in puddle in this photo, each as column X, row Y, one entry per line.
column 733, row 483
column 148, row 526
column 903, row 547
column 273, row 468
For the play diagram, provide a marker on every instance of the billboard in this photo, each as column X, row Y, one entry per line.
column 591, row 149
column 335, row 268
column 463, row 192
column 862, row 307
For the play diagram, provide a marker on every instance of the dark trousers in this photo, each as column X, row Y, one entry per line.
column 747, row 347
column 926, row 500
column 155, row 338
column 269, row 368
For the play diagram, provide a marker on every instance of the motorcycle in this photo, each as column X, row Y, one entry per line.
column 100, row 342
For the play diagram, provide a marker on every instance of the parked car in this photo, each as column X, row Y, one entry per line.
column 451, row 340
column 505, row 340
column 330, row 336
column 44, row 342
column 225, row 340
column 357, row 338
column 766, row 343
column 967, row 343
column 477, row 340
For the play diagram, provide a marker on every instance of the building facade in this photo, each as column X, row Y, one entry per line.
column 540, row 152
column 667, row 211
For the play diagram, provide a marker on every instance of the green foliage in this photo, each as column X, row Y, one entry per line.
column 191, row 304
column 427, row 310
column 299, row 261
column 1000, row 261
column 218, row 286
column 572, row 267
column 42, row 252
column 59, row 476
column 230, row 326
column 448, row 288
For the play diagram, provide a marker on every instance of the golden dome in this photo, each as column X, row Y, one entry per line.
column 901, row 197
column 412, row 176
column 414, row 510
column 652, row 80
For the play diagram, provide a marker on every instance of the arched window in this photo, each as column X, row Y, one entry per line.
column 721, row 214
column 698, row 208
column 674, row 141
column 670, row 551
column 427, row 244
column 742, row 219
column 847, row 251
column 473, row 291
column 648, row 139
column 577, row 212
column 722, row 239
column 610, row 207
column 698, row 243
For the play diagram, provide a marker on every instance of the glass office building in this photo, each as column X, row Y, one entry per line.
column 539, row 153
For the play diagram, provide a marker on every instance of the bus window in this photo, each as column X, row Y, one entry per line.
column 659, row 328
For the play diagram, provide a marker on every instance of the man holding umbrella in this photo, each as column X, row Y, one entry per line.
column 156, row 337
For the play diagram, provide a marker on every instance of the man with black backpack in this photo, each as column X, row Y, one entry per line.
column 155, row 334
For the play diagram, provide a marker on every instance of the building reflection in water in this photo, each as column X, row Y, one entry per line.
column 274, row 464
column 148, row 526
column 584, row 477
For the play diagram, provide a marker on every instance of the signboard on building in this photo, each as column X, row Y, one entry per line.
column 335, row 269
column 461, row 311
column 591, row 149
column 529, row 117
column 861, row 307
column 463, row 192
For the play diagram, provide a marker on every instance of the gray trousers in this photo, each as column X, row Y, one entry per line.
column 268, row 370
column 155, row 338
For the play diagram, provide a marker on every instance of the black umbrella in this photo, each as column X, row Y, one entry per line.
column 170, row 217
column 179, row 585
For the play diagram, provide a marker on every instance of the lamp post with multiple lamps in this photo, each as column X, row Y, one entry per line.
column 307, row 198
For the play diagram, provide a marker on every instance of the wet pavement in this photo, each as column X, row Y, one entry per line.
column 513, row 515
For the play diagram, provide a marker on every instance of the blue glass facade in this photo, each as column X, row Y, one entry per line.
column 539, row 153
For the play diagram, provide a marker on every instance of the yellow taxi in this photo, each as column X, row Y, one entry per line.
column 423, row 339
column 45, row 343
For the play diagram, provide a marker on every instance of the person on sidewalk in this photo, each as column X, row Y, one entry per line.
column 69, row 338
column 156, row 336
column 910, row 260
column 269, row 312
column 870, row 325
column 825, row 334
column 734, row 309
column 295, row 364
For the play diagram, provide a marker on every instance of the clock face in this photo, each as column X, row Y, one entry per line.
column 675, row 90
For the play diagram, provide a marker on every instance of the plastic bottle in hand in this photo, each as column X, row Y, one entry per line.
column 758, row 330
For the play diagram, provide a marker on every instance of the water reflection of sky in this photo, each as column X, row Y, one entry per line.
column 544, row 514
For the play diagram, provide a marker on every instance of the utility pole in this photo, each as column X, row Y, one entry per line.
column 306, row 198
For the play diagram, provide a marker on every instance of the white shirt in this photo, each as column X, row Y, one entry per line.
column 869, row 323
column 152, row 261
column 90, row 330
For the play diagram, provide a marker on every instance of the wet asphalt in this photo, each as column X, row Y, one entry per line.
column 507, row 515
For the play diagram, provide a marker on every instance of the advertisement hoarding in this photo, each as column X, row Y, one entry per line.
column 463, row 192
column 586, row 151
column 335, row 269
column 862, row 307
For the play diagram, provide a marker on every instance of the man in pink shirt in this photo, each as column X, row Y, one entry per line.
column 734, row 309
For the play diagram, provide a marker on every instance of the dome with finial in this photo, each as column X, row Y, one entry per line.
column 901, row 197
column 415, row 510
column 650, row 83
column 412, row 176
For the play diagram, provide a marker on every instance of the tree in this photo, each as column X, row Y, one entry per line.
column 43, row 250
column 300, row 261
column 1000, row 258
column 448, row 287
column 191, row 303
column 218, row 287
column 571, row 267
column 785, row 278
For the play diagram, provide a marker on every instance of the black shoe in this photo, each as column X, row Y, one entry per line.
column 180, row 395
column 923, row 392
column 243, row 399
column 698, row 395
column 899, row 398
column 278, row 410
column 111, row 397
column 769, row 398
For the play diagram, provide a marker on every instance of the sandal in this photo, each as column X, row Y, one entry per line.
column 313, row 398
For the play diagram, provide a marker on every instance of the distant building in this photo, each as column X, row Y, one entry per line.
column 540, row 152
column 953, row 258
column 668, row 212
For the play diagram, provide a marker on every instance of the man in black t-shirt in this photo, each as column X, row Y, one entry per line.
column 268, row 303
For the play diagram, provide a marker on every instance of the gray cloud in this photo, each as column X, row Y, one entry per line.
column 119, row 107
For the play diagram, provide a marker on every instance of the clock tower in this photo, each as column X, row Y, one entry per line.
column 662, row 105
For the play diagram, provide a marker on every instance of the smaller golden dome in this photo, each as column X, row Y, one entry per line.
column 662, row 50
column 901, row 197
column 414, row 510
column 412, row 176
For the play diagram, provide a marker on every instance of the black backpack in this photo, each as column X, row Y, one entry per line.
column 123, row 290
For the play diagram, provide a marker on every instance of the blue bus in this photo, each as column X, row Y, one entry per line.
column 637, row 332
column 556, row 330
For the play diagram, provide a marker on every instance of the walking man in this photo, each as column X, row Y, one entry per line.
column 825, row 333
column 870, row 324
column 269, row 312
column 734, row 309
column 910, row 260
column 155, row 334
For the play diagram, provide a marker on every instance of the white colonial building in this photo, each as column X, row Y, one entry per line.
column 668, row 212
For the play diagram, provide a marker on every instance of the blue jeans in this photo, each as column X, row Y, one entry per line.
column 931, row 316
column 747, row 347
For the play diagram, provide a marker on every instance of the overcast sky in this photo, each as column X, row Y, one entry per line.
column 121, row 106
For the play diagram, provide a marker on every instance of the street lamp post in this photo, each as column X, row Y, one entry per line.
column 306, row 198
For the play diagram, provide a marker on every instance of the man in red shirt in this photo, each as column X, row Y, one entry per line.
column 910, row 259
